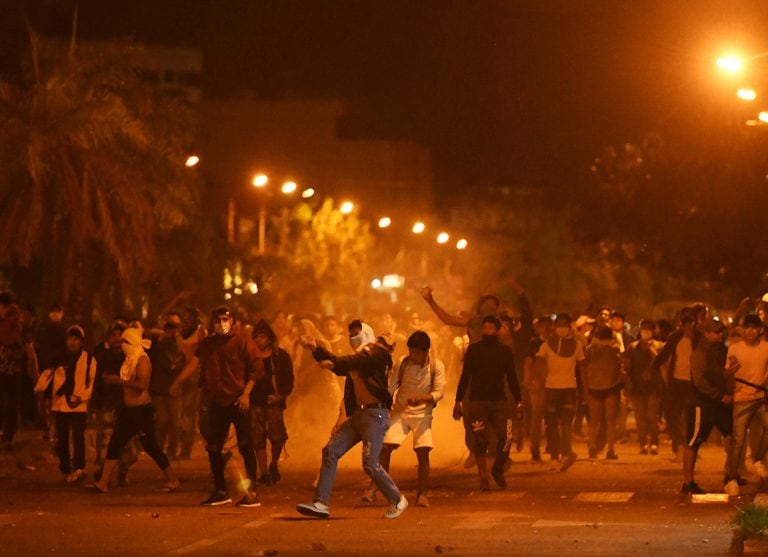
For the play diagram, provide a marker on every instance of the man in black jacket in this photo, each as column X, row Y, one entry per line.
column 367, row 402
column 486, row 364
column 268, row 401
column 712, row 400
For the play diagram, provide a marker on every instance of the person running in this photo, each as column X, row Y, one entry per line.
column 712, row 399
column 417, row 385
column 229, row 364
column 367, row 402
column 268, row 402
column 137, row 416
column 486, row 364
column 72, row 385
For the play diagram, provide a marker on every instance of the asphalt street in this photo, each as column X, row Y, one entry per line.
column 625, row 507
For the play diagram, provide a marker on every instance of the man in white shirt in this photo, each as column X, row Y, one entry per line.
column 748, row 360
column 417, row 384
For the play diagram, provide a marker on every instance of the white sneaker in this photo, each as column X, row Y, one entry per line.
column 317, row 509
column 732, row 488
column 759, row 468
column 396, row 509
column 76, row 476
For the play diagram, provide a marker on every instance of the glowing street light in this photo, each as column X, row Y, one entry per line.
column 763, row 117
column 307, row 193
column 419, row 227
column 260, row 180
column 192, row 160
column 384, row 222
column 443, row 238
column 289, row 187
column 746, row 94
column 461, row 244
column 347, row 207
column 376, row 283
column 731, row 64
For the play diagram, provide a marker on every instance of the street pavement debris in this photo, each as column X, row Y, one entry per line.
column 317, row 546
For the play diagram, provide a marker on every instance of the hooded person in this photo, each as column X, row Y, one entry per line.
column 72, row 385
column 268, row 401
column 137, row 416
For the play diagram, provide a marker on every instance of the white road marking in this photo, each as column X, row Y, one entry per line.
column 200, row 544
column 573, row 523
column 485, row 520
column 604, row 496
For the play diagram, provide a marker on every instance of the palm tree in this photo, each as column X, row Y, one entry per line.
column 91, row 172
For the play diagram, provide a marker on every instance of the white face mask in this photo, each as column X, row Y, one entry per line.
column 223, row 327
column 130, row 350
column 563, row 332
column 356, row 341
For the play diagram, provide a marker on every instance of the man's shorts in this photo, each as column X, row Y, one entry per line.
column 401, row 425
column 703, row 417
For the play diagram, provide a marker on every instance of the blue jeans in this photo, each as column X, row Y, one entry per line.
column 742, row 414
column 368, row 426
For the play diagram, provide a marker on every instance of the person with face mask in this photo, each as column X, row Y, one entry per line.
column 229, row 365
column 72, row 386
column 645, row 386
column 137, row 417
column 486, row 365
column 561, row 355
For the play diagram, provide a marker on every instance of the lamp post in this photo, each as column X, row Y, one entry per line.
column 259, row 182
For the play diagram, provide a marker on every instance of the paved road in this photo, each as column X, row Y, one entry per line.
column 624, row 507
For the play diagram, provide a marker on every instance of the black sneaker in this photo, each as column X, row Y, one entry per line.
column 536, row 457
column 249, row 500
column 568, row 461
column 217, row 499
column 498, row 477
column 274, row 473
column 691, row 488
column 644, row 449
column 265, row 479
column 317, row 509
column 611, row 455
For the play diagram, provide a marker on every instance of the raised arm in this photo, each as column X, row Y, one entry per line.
column 444, row 316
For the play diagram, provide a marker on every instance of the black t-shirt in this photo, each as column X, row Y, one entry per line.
column 167, row 361
column 107, row 396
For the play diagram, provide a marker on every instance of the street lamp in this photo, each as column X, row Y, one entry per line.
column 746, row 94
column 443, row 238
column 731, row 64
column 289, row 187
column 763, row 117
column 376, row 283
column 461, row 244
column 260, row 180
column 307, row 193
column 347, row 207
column 419, row 227
column 384, row 222
column 192, row 160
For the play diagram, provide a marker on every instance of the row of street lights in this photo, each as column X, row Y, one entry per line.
column 289, row 187
column 735, row 65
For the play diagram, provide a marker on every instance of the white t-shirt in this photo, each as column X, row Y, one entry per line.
column 683, row 352
column 561, row 371
column 416, row 380
column 754, row 368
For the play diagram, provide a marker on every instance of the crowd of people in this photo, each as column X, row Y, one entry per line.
column 232, row 379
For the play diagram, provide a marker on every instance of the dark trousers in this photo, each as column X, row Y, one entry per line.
column 559, row 409
column 137, row 420
column 494, row 415
column 70, row 423
column 219, row 420
column 646, row 407
column 10, row 402
column 167, row 422
column 678, row 401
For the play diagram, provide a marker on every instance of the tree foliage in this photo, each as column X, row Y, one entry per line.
column 91, row 170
